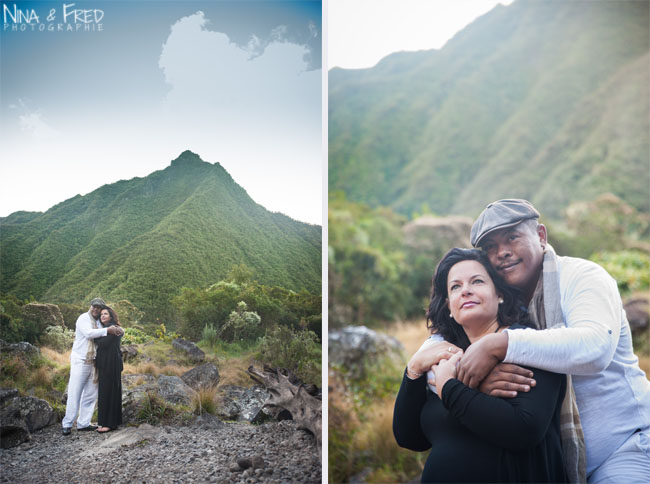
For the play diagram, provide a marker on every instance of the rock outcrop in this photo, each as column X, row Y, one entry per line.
column 43, row 315
column 193, row 352
column 206, row 375
column 244, row 404
column 430, row 234
column 20, row 416
column 637, row 310
column 355, row 348
column 23, row 347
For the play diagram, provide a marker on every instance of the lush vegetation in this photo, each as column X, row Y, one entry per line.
column 540, row 100
column 232, row 309
column 144, row 239
column 297, row 350
column 379, row 273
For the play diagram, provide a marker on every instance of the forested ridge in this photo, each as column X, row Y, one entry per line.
column 144, row 239
column 541, row 100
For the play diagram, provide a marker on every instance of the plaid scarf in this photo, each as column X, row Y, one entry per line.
column 545, row 312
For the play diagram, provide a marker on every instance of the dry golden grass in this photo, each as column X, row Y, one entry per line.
column 150, row 368
column 174, row 370
column 138, row 381
column 410, row 333
column 234, row 371
column 41, row 377
column 61, row 359
column 206, row 400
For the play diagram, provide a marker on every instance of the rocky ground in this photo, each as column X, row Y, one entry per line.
column 206, row 451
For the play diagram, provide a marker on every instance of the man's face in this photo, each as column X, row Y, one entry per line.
column 95, row 310
column 517, row 254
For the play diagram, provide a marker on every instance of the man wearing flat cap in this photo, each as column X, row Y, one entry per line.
column 82, row 387
column 583, row 332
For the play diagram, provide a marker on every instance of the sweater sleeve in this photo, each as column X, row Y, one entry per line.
column 516, row 423
column 85, row 327
column 593, row 314
column 406, row 416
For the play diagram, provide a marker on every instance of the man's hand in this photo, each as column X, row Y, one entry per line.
column 115, row 330
column 481, row 357
column 431, row 354
column 505, row 380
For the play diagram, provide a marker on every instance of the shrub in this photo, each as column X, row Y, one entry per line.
column 242, row 325
column 630, row 268
column 135, row 336
column 210, row 336
column 58, row 338
column 298, row 351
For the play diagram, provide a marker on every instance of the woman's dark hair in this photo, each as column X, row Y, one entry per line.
column 511, row 311
column 114, row 319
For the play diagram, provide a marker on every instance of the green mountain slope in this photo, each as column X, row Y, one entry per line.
column 145, row 238
column 543, row 100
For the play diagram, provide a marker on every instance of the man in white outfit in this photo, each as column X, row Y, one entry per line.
column 82, row 387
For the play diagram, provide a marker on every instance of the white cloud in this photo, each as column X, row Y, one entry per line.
column 33, row 123
column 256, row 109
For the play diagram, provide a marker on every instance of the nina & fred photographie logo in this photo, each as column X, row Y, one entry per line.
column 65, row 17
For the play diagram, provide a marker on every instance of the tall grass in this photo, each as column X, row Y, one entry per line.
column 205, row 400
column 154, row 409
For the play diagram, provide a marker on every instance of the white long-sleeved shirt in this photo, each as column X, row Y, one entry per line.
column 612, row 392
column 84, row 334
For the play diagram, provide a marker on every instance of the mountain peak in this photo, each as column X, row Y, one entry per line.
column 187, row 157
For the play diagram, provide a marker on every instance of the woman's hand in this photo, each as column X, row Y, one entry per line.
column 481, row 357
column 445, row 370
column 428, row 355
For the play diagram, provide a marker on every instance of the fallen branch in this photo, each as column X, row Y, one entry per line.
column 287, row 392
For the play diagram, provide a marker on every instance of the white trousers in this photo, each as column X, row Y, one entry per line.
column 82, row 394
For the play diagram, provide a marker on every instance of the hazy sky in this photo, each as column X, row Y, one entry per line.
column 238, row 83
column 361, row 32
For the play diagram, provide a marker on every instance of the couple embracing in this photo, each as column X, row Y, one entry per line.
column 95, row 370
column 529, row 374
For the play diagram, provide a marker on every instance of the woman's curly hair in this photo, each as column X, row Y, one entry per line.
column 439, row 321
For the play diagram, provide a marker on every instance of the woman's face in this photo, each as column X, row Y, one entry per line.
column 471, row 295
column 104, row 316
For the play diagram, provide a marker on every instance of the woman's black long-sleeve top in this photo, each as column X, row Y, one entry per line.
column 474, row 437
column 109, row 365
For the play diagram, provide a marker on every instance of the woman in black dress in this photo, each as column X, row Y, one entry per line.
column 109, row 367
column 474, row 437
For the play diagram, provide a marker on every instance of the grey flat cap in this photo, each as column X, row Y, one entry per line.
column 500, row 215
column 98, row 301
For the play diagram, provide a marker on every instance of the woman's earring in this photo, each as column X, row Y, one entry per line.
column 451, row 316
column 500, row 301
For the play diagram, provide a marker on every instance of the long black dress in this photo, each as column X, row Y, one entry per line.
column 109, row 366
column 478, row 438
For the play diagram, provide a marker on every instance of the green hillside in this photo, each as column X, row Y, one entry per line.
column 145, row 238
column 542, row 100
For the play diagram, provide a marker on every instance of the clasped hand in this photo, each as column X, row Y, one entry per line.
column 500, row 380
column 115, row 330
